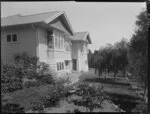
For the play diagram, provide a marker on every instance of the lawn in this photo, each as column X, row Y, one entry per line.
column 120, row 91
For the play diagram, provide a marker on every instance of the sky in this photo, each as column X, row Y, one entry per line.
column 106, row 22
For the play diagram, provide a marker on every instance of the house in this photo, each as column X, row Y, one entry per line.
column 48, row 36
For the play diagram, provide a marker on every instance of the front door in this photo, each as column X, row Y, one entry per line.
column 74, row 64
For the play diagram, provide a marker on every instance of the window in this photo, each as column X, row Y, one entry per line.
column 59, row 42
column 60, row 66
column 8, row 38
column 12, row 38
column 50, row 39
column 66, row 63
column 57, row 66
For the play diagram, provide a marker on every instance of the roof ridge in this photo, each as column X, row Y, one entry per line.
column 39, row 13
column 30, row 14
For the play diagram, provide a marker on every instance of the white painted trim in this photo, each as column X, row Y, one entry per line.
column 52, row 18
column 69, row 23
column 17, row 42
column 58, row 14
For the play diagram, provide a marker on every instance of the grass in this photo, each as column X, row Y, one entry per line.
column 27, row 95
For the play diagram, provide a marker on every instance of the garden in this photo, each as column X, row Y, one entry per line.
column 29, row 86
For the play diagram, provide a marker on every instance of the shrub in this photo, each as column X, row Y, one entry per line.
column 33, row 69
column 11, row 78
column 76, row 110
column 12, row 108
column 57, row 92
column 46, row 79
column 38, row 106
column 9, row 107
column 55, row 95
column 89, row 96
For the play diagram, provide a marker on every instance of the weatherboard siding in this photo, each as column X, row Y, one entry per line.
column 26, row 43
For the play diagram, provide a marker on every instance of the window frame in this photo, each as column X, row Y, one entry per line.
column 60, row 66
column 11, row 38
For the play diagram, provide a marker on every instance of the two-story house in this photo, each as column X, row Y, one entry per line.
column 48, row 36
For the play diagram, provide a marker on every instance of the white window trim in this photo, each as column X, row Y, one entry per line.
column 11, row 39
column 59, row 66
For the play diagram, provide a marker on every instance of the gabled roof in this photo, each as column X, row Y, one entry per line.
column 35, row 18
column 81, row 36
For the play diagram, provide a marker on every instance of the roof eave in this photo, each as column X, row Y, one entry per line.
column 3, row 26
column 58, row 14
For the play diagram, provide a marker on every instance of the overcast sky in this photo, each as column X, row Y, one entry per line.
column 106, row 22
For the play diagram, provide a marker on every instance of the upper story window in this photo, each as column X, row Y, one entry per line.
column 50, row 39
column 11, row 38
column 68, row 46
column 59, row 40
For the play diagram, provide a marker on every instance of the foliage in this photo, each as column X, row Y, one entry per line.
column 138, row 51
column 25, row 67
column 45, row 79
column 111, row 58
column 9, row 107
column 142, row 108
column 89, row 96
column 11, row 78
column 57, row 92
column 128, row 57
column 38, row 106
column 76, row 110
column 28, row 84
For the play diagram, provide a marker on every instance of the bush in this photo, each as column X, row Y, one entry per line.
column 38, row 106
column 46, row 79
column 76, row 110
column 12, row 108
column 25, row 67
column 11, row 78
column 89, row 96
column 57, row 92
column 55, row 95
column 142, row 108
column 9, row 107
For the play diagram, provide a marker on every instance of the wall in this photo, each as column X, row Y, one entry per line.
column 51, row 56
column 79, row 53
column 26, row 43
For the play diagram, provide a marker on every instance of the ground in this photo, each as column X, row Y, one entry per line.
column 120, row 91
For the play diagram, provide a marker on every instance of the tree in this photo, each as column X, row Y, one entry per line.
column 138, row 51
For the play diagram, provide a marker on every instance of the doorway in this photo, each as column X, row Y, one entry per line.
column 74, row 64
